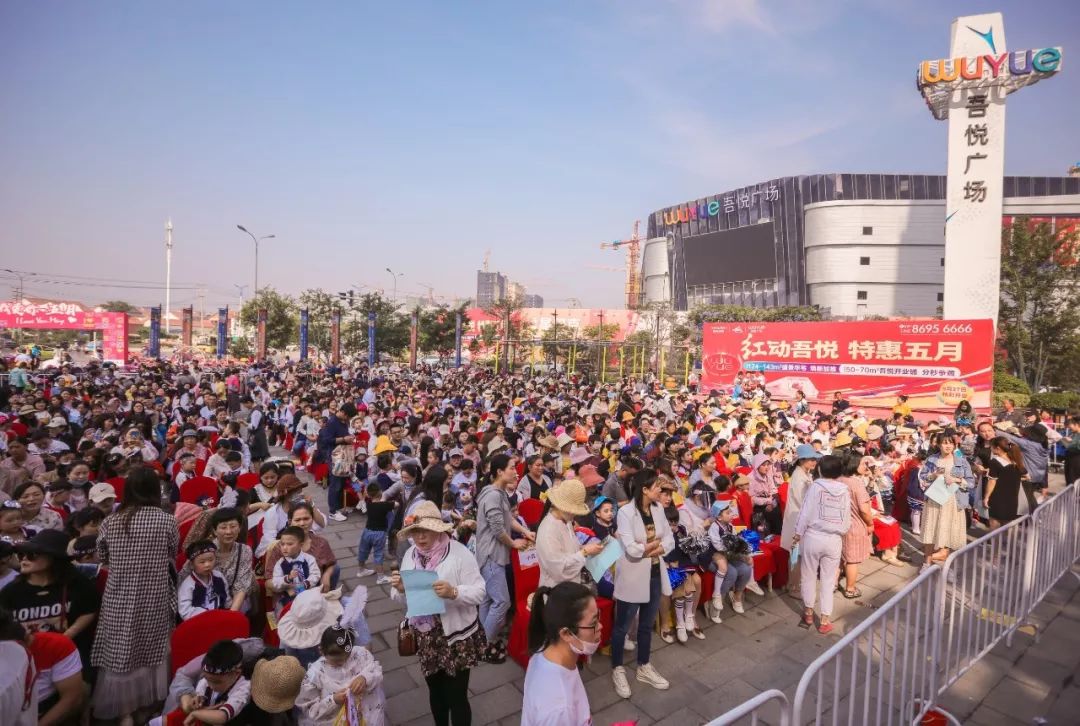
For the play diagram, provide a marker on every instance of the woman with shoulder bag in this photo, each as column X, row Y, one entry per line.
column 451, row 644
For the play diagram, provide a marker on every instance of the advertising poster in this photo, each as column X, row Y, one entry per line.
column 70, row 316
column 304, row 322
column 155, row 332
column 936, row 363
column 187, row 317
column 335, row 337
column 260, row 335
column 222, row 330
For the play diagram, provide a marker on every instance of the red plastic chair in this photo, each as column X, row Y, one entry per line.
column 200, row 467
column 526, row 580
column 198, row 487
column 531, row 510
column 607, row 619
column 246, row 482
column 193, row 637
column 782, row 493
column 746, row 507
column 319, row 471
column 184, row 529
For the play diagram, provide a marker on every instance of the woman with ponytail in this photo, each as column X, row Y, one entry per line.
column 1005, row 495
column 564, row 625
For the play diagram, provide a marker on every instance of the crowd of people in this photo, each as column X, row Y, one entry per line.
column 134, row 503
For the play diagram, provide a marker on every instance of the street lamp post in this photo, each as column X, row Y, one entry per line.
column 256, row 240
column 168, row 272
column 395, row 276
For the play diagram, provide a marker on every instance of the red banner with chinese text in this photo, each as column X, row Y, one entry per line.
column 936, row 363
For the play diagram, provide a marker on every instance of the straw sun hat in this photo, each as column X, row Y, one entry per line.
column 425, row 516
column 569, row 497
column 275, row 684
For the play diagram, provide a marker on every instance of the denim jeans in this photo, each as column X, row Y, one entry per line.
column 496, row 599
column 624, row 615
column 371, row 542
column 738, row 574
column 334, row 485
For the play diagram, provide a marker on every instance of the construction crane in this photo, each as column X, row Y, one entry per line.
column 633, row 265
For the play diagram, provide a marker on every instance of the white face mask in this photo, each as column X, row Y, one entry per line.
column 586, row 648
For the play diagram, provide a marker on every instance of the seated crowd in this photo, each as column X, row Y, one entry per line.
column 158, row 564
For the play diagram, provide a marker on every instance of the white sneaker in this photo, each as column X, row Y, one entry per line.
column 647, row 674
column 347, row 510
column 365, row 573
column 362, row 507
column 735, row 604
column 338, row 516
column 691, row 626
column 382, row 580
column 713, row 611
column 622, row 686
column 680, row 633
column 628, row 645
column 755, row 588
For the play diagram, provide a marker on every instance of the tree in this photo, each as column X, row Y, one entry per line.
column 321, row 306
column 1039, row 321
column 240, row 347
column 119, row 306
column 557, row 339
column 282, row 321
column 438, row 329
column 391, row 327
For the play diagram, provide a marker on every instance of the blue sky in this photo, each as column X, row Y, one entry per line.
column 416, row 135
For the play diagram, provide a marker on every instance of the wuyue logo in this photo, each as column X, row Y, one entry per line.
column 990, row 66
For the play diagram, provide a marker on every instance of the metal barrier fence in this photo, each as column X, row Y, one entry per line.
column 763, row 705
column 982, row 598
column 1054, row 544
column 893, row 667
column 877, row 673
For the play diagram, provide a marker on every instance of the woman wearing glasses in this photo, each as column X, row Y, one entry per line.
column 565, row 625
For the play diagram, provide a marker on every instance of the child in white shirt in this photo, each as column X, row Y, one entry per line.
column 206, row 588
column 296, row 571
column 222, row 692
column 345, row 672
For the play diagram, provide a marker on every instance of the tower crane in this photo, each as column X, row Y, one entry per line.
column 633, row 264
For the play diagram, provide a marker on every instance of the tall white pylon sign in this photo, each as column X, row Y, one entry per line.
column 969, row 89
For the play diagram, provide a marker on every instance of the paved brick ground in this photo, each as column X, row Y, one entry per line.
column 761, row 649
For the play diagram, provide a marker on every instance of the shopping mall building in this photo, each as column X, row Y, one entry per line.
column 857, row 244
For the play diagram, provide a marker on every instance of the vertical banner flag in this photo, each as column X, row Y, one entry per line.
column 335, row 337
column 457, row 340
column 222, row 330
column 260, row 335
column 187, row 322
column 413, row 325
column 155, row 332
column 371, row 338
column 303, row 334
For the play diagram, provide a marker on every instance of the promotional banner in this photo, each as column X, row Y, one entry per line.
column 371, row 338
column 260, row 335
column 304, row 321
column 222, row 330
column 155, row 332
column 457, row 340
column 70, row 316
column 335, row 337
column 187, row 318
column 413, row 325
column 936, row 363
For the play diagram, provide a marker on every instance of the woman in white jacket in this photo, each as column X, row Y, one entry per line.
column 819, row 533
column 448, row 645
column 561, row 557
column 640, row 577
column 806, row 459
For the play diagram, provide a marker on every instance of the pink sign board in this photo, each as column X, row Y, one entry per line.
column 69, row 316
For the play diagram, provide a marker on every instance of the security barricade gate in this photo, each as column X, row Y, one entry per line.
column 879, row 672
column 893, row 667
column 762, row 706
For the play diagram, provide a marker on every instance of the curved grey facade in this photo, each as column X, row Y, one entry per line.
column 708, row 267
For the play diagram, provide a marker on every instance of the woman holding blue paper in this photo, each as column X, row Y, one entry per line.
column 946, row 478
column 561, row 556
column 448, row 645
